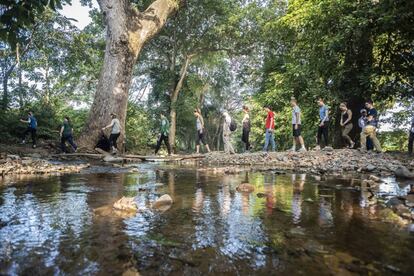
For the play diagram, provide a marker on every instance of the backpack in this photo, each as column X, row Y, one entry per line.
column 233, row 125
column 33, row 122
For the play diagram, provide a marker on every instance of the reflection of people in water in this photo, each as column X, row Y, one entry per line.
column 298, row 182
column 269, row 181
column 225, row 205
column 245, row 197
column 198, row 202
column 325, row 212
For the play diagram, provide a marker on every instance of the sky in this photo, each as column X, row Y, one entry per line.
column 78, row 12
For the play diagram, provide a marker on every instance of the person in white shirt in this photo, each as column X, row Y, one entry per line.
column 297, row 126
column 115, row 132
column 228, row 147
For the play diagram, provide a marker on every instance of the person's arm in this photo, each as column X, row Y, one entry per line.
column 110, row 125
column 349, row 117
column 326, row 116
column 61, row 131
column 272, row 121
column 297, row 114
column 25, row 121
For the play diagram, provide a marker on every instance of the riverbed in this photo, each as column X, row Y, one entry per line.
column 291, row 224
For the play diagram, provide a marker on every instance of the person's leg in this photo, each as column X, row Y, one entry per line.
column 62, row 143
column 230, row 145
column 158, row 146
column 363, row 139
column 70, row 141
column 267, row 138
column 208, row 148
column 27, row 131
column 33, row 132
column 319, row 136
column 410, row 143
column 375, row 141
column 370, row 145
column 225, row 144
column 248, row 140
column 272, row 141
column 325, row 133
column 167, row 144
column 345, row 134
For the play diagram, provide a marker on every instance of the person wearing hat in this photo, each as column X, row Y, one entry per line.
column 164, row 131
column 411, row 138
column 296, row 123
column 115, row 132
column 228, row 147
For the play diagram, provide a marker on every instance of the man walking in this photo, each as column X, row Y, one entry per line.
column 246, row 128
column 270, row 130
column 31, row 128
column 411, row 138
column 228, row 147
column 200, row 131
column 164, row 131
column 296, row 122
column 370, row 129
column 323, row 123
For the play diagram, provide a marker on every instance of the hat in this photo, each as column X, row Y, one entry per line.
column 363, row 110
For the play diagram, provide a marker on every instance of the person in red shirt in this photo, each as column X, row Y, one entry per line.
column 270, row 130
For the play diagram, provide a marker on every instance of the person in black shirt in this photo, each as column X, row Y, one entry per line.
column 411, row 138
column 370, row 130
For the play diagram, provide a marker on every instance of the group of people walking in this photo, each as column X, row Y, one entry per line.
column 368, row 123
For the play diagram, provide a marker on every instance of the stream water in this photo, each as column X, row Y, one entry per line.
column 299, row 225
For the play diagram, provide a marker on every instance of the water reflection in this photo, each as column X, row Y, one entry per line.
column 50, row 226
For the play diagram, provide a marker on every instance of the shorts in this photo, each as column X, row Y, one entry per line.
column 200, row 138
column 296, row 132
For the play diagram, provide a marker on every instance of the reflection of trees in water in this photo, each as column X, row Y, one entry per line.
column 41, row 218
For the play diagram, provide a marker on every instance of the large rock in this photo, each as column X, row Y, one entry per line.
column 163, row 203
column 126, row 204
column 245, row 188
column 113, row 159
column 403, row 172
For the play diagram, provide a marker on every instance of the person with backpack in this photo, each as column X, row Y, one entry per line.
column 66, row 134
column 31, row 128
column 115, row 132
column 164, row 131
column 246, row 128
column 200, row 131
column 228, row 128
column 270, row 129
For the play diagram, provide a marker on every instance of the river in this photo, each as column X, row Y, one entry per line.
column 292, row 224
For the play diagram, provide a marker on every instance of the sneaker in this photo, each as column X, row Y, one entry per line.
column 34, row 146
column 302, row 149
column 23, row 142
column 352, row 145
column 317, row 148
column 292, row 149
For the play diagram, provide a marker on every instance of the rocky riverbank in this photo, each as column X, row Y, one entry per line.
column 34, row 165
column 320, row 162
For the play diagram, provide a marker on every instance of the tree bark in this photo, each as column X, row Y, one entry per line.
column 174, row 97
column 127, row 32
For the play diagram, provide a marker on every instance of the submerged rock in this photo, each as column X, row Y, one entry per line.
column 163, row 203
column 245, row 188
column 126, row 204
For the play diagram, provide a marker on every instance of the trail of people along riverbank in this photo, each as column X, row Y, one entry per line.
column 288, row 224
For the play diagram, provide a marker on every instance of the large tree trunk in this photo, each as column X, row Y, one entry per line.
column 127, row 32
column 174, row 98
